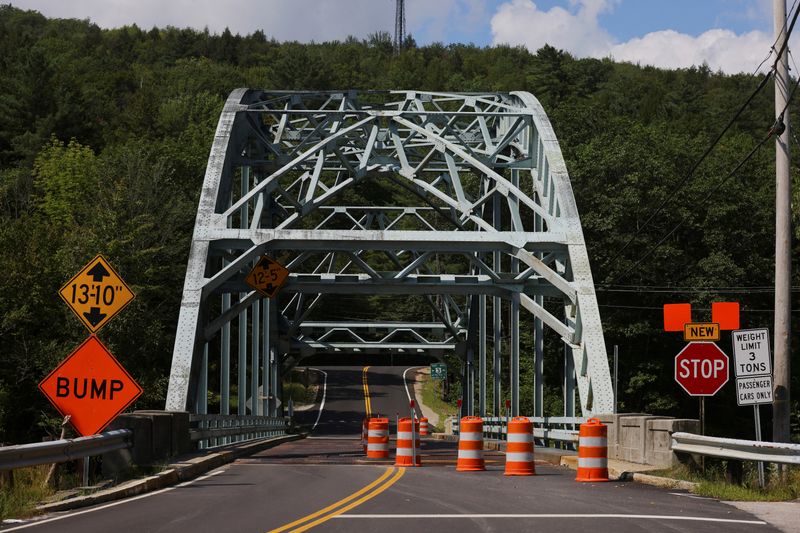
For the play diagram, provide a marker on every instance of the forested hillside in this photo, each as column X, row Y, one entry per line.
column 104, row 136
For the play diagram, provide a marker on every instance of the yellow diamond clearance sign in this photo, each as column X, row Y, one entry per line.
column 96, row 294
column 267, row 276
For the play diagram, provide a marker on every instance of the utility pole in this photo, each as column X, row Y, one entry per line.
column 783, row 229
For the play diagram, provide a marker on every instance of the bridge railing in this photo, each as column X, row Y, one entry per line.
column 205, row 430
column 551, row 431
column 209, row 431
column 61, row 451
column 744, row 450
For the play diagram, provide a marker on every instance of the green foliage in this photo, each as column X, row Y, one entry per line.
column 65, row 174
column 104, row 136
column 27, row 491
column 732, row 480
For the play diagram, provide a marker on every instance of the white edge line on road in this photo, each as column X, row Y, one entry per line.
column 544, row 515
column 682, row 495
column 324, row 391
column 114, row 504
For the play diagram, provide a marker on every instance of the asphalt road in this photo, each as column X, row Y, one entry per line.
column 324, row 483
column 345, row 405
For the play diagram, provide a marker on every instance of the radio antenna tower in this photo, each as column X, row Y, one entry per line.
column 399, row 25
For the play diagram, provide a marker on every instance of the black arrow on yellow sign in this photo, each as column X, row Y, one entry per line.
column 94, row 316
column 98, row 272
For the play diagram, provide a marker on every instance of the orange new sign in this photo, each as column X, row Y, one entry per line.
column 91, row 386
column 96, row 294
column 267, row 276
column 701, row 332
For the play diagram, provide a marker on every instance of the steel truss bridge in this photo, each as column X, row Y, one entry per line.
column 460, row 202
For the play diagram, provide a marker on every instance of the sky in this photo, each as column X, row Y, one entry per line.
column 729, row 35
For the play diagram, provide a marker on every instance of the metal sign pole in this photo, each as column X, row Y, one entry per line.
column 757, row 416
column 616, row 381
column 413, row 435
column 703, row 429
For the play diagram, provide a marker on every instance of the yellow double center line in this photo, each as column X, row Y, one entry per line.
column 385, row 481
column 367, row 403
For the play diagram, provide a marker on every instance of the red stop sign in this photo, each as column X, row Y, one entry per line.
column 701, row 368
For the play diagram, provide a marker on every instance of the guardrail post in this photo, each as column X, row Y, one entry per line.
column 6, row 479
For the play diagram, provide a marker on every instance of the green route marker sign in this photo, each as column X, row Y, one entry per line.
column 439, row 371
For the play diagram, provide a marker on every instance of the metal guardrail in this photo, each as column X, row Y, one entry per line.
column 59, row 451
column 559, row 429
column 745, row 450
column 218, row 430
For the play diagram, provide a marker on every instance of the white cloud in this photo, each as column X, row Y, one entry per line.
column 720, row 49
column 285, row 20
column 521, row 22
column 301, row 20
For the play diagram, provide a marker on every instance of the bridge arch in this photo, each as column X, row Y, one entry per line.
column 364, row 193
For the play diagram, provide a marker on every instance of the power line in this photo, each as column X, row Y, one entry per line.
column 695, row 291
column 669, row 198
column 786, row 40
column 772, row 47
column 639, row 286
column 703, row 203
column 661, row 308
column 777, row 128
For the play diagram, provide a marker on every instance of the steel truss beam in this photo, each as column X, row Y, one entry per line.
column 459, row 196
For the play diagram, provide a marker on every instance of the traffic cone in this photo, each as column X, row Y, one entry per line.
column 470, row 445
column 405, row 440
column 519, row 447
column 593, row 451
column 378, row 438
column 423, row 427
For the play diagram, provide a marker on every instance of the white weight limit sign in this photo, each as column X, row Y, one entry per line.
column 751, row 352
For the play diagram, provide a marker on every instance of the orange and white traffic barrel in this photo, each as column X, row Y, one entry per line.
column 364, row 433
column 423, row 427
column 519, row 447
column 407, row 443
column 593, row 451
column 470, row 445
column 378, row 438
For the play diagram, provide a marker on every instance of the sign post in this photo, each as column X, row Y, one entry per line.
column 753, row 375
column 90, row 387
column 413, row 433
column 701, row 369
column 458, row 402
column 508, row 416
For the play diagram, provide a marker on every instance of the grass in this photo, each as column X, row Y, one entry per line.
column 432, row 398
column 714, row 484
column 300, row 393
column 28, row 490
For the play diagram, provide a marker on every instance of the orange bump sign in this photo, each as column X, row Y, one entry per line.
column 701, row 332
column 96, row 294
column 91, row 386
column 267, row 276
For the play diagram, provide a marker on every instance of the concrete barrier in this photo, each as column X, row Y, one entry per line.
column 644, row 439
column 157, row 436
